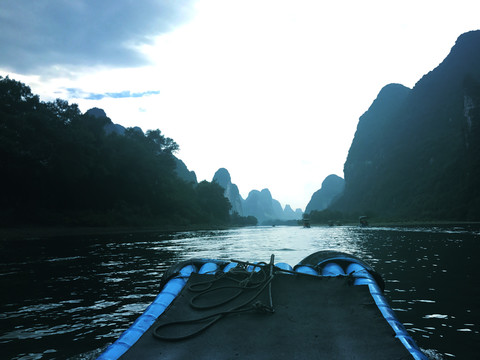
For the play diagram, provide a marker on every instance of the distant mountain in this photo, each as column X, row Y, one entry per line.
column 259, row 204
column 96, row 112
column 289, row 214
column 416, row 152
column 110, row 127
column 266, row 209
column 277, row 208
column 183, row 173
column 332, row 187
column 181, row 169
column 222, row 177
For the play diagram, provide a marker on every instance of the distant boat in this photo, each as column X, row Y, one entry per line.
column 306, row 222
column 363, row 221
column 329, row 306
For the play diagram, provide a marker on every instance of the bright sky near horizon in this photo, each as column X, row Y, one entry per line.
column 271, row 90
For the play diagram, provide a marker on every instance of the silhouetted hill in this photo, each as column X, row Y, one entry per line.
column 258, row 204
column 109, row 126
column 96, row 112
column 183, row 173
column 180, row 168
column 289, row 214
column 222, row 177
column 416, row 153
column 332, row 187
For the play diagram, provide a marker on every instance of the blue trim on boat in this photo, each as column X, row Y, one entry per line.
column 332, row 269
column 306, row 270
column 339, row 265
column 284, row 266
column 161, row 302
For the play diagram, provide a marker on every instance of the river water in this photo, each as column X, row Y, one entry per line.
column 70, row 297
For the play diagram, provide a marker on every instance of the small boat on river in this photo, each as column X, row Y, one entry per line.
column 363, row 220
column 328, row 306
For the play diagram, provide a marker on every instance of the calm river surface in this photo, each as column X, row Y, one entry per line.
column 70, row 297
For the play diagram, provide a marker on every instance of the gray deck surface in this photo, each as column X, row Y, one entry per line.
column 314, row 318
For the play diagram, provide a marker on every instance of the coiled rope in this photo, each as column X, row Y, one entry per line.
column 203, row 288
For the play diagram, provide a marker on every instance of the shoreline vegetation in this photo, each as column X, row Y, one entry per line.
column 41, row 233
column 63, row 170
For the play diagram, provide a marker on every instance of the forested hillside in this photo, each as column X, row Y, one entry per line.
column 416, row 152
column 58, row 166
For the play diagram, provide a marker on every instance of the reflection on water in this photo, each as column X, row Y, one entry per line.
column 71, row 297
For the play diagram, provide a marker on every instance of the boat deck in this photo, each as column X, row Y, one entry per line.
column 293, row 317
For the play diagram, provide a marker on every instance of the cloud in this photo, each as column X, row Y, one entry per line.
column 36, row 36
column 122, row 94
column 80, row 94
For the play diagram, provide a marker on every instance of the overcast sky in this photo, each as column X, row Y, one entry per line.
column 272, row 90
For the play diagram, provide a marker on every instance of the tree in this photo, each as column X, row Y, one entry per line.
column 214, row 206
column 60, row 166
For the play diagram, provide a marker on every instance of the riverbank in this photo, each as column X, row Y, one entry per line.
column 420, row 223
column 36, row 233
column 403, row 224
